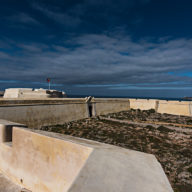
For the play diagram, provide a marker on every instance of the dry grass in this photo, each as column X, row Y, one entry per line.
column 171, row 148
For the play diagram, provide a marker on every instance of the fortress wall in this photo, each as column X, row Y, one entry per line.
column 143, row 104
column 39, row 115
column 41, row 112
column 41, row 163
column 174, row 107
column 105, row 106
column 44, row 101
column 48, row 162
column 38, row 112
column 163, row 106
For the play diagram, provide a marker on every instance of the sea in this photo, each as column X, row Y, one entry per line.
column 131, row 97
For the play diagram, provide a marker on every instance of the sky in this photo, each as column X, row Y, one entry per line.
column 129, row 48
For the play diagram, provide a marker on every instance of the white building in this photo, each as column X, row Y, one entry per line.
column 32, row 93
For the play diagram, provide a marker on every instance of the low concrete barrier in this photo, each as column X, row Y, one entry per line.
column 102, row 106
column 163, row 106
column 175, row 107
column 143, row 104
column 48, row 162
column 6, row 130
column 37, row 113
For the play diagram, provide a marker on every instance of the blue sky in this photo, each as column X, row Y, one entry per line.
column 137, row 48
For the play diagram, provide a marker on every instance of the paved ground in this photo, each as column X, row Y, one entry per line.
column 168, row 137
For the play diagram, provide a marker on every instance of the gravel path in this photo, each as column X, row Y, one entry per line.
column 154, row 124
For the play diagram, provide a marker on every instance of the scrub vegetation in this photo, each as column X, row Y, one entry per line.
column 170, row 143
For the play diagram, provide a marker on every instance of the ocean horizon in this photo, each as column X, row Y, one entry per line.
column 132, row 97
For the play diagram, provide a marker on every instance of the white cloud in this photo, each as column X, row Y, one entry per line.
column 58, row 16
column 101, row 59
column 23, row 18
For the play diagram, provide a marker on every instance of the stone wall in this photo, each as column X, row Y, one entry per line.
column 175, row 107
column 38, row 112
column 37, row 115
column 163, row 106
column 108, row 105
column 143, row 104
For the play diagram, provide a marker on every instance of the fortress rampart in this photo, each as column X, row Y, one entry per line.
column 163, row 106
column 44, row 162
column 48, row 162
column 38, row 112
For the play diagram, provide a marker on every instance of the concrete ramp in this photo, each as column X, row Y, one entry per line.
column 121, row 170
column 49, row 162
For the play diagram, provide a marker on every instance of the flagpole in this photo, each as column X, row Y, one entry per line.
column 49, row 83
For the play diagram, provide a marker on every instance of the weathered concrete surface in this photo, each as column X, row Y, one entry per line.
column 41, row 112
column 42, row 163
column 107, row 105
column 33, row 101
column 143, row 104
column 163, row 106
column 48, row 162
column 8, row 186
column 175, row 107
column 121, row 170
column 35, row 116
column 6, row 130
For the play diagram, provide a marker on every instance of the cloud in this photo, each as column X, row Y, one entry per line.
column 103, row 60
column 4, row 55
column 23, row 18
column 58, row 16
column 35, row 47
column 95, row 14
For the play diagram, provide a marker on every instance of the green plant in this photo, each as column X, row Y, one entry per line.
column 190, row 169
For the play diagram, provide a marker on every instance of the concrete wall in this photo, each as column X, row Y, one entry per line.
column 143, row 104
column 6, row 130
column 175, row 107
column 39, row 115
column 41, row 163
column 49, row 162
column 163, row 106
column 38, row 112
column 104, row 106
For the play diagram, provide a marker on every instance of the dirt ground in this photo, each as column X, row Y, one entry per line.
column 168, row 137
